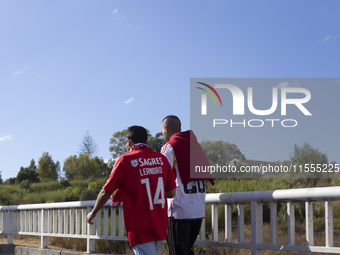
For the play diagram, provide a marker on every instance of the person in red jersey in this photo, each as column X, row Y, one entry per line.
column 187, row 209
column 144, row 180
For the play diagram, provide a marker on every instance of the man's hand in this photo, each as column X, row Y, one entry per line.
column 103, row 196
column 90, row 217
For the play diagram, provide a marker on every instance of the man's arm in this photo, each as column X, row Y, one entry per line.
column 171, row 193
column 103, row 196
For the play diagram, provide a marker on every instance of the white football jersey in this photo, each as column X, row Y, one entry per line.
column 189, row 202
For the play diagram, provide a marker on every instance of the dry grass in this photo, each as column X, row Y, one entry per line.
column 300, row 239
column 121, row 247
column 33, row 241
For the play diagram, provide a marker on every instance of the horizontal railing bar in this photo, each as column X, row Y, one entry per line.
column 60, row 205
column 118, row 238
column 305, row 194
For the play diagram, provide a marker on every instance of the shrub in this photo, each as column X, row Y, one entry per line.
column 319, row 223
column 88, row 194
column 65, row 183
column 5, row 197
column 25, row 184
column 46, row 186
column 72, row 193
column 82, row 184
column 96, row 186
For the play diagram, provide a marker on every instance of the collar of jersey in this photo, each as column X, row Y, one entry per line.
column 138, row 146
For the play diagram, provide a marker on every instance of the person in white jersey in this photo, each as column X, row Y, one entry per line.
column 187, row 209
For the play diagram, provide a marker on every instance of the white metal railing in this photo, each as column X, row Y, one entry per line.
column 69, row 220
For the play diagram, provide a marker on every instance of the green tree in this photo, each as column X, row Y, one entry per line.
column 156, row 142
column 220, row 152
column 117, row 144
column 10, row 181
column 84, row 167
column 88, row 145
column 306, row 154
column 28, row 173
column 99, row 168
column 71, row 168
column 47, row 169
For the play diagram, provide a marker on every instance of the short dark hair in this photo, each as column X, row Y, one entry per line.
column 172, row 122
column 137, row 134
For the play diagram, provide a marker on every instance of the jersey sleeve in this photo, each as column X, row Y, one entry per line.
column 116, row 178
column 171, row 184
column 168, row 152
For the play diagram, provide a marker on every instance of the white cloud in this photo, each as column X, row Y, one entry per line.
column 6, row 137
column 117, row 16
column 17, row 72
column 327, row 38
column 284, row 84
column 130, row 100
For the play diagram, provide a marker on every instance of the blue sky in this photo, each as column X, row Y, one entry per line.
column 67, row 67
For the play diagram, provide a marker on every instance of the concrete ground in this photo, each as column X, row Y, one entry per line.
column 7, row 249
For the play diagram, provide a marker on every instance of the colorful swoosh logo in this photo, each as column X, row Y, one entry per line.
column 209, row 93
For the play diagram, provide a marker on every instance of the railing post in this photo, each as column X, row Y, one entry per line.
column 9, row 239
column 228, row 226
column 9, row 224
column 202, row 230
column 35, row 222
column 256, row 227
column 273, row 223
column 329, row 229
column 291, row 223
column 22, row 222
column 78, row 221
column 1, row 222
column 90, row 243
column 121, row 222
column 309, row 223
column 66, row 215
column 113, row 221
column 98, row 220
column 214, row 222
column 240, row 222
column 84, row 221
column 43, row 225
column 48, row 220
column 72, row 221
column 26, row 219
column 60, row 221
column 105, row 221
column 55, row 221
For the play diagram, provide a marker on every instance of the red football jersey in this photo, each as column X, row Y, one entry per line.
column 143, row 176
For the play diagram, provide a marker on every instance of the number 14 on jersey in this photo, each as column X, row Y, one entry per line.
column 159, row 194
